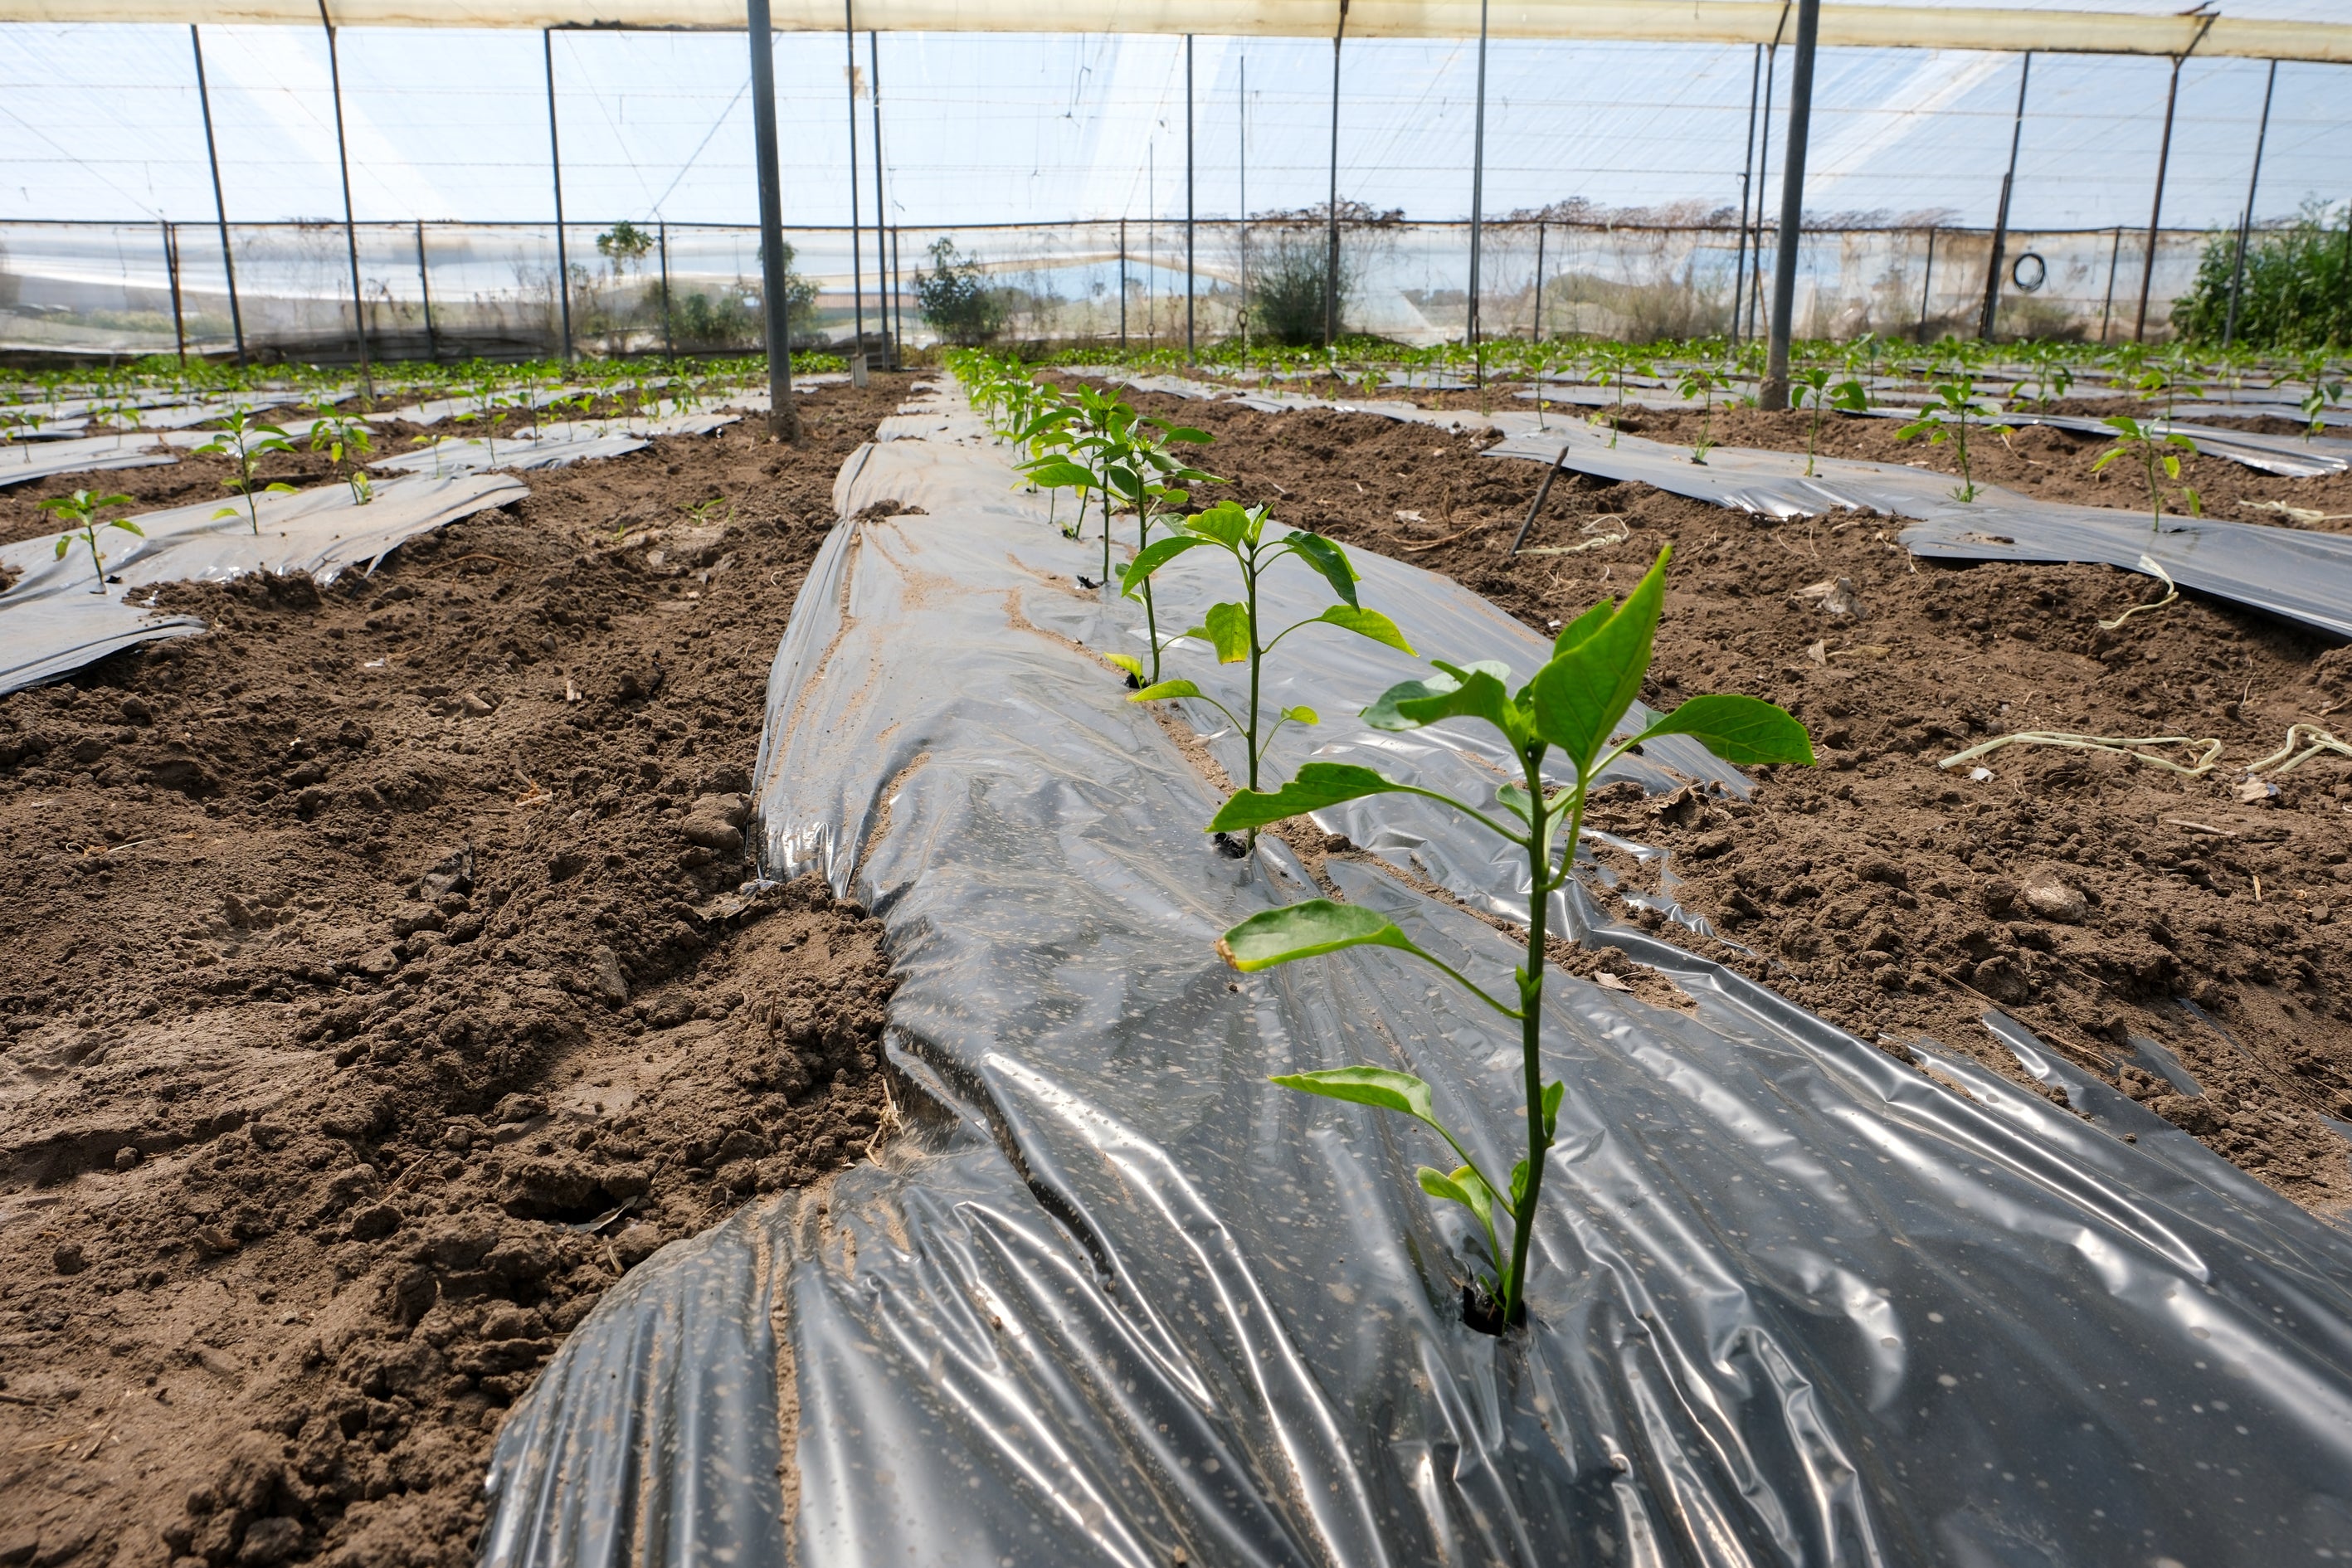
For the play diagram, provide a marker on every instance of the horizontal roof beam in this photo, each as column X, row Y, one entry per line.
column 1860, row 25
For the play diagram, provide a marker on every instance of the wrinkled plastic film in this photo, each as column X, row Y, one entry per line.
column 1791, row 1301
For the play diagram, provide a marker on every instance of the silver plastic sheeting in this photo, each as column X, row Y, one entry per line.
column 25, row 464
column 2300, row 574
column 53, row 619
column 2290, row 457
column 1791, row 1301
column 551, row 445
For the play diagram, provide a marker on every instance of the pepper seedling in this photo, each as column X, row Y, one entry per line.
column 338, row 434
column 1577, row 703
column 1701, row 382
column 1233, row 629
column 1950, row 416
column 80, row 511
column 1811, row 386
column 2155, row 451
column 248, row 440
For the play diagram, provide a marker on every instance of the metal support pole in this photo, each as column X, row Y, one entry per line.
column 1477, row 203
column 669, row 335
column 425, row 288
column 857, row 263
column 351, row 230
column 1191, row 347
column 784, row 420
column 1926, row 287
column 1241, row 105
column 1747, row 169
column 172, row 268
column 2163, row 161
column 2246, row 218
column 1535, row 312
column 1763, row 164
column 2001, row 218
column 1774, row 394
column 220, row 202
column 2114, row 261
column 881, row 234
column 555, row 165
column 898, row 301
column 1122, row 285
column 1331, row 212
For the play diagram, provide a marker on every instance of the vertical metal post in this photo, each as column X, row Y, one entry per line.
column 1774, row 394
column 1122, row 285
column 1763, row 165
column 784, row 420
column 1535, row 314
column 1747, row 169
column 1331, row 276
column 1926, row 286
column 669, row 336
column 1477, row 204
column 2163, row 161
column 2001, row 218
column 1241, row 102
column 2115, row 259
column 425, row 287
column 881, row 234
column 172, row 268
column 898, row 301
column 555, row 165
column 2246, row 218
column 857, row 263
column 220, row 202
column 351, row 230
column 1190, row 344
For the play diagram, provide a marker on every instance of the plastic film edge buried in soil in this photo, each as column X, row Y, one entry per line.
column 1793, row 1301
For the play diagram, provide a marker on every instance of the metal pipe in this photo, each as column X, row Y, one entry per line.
column 1240, row 103
column 1122, row 285
column 2114, row 261
column 856, row 265
column 897, row 300
column 171, row 270
column 1774, row 393
column 1746, row 168
column 425, row 290
column 1535, row 311
column 1191, row 347
column 555, row 165
column 2246, row 218
column 1927, row 285
column 784, row 420
column 669, row 335
column 2000, row 219
column 1763, row 163
column 2163, row 161
column 1331, row 212
column 1477, row 202
column 351, row 230
column 220, row 202
column 881, row 234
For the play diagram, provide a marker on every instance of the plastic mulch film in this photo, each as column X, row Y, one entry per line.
column 1793, row 1301
column 2299, row 574
column 46, row 460
column 2290, row 457
column 54, row 620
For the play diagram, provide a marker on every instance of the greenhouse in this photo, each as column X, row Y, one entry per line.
column 1357, row 783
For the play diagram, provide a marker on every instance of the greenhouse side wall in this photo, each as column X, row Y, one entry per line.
column 451, row 291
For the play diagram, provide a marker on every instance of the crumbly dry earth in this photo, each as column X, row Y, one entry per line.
column 2087, row 894
column 379, row 992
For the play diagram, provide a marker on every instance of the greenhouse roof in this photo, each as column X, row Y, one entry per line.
column 2281, row 29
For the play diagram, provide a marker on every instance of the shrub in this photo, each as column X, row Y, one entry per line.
column 2297, row 292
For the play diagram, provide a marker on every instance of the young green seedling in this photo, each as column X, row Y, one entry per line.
column 1701, row 382
column 1577, row 703
column 2153, row 450
column 1812, row 387
column 1949, row 418
column 79, row 510
column 340, row 435
column 248, row 440
column 1233, row 629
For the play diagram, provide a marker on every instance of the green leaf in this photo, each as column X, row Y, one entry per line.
column 1381, row 1087
column 1163, row 690
column 1318, row 784
column 224, row 511
column 1743, row 729
column 63, row 540
column 1464, row 1187
column 1367, row 624
column 1304, row 931
column 1329, row 559
column 1513, row 798
column 1476, row 692
column 1152, row 558
column 1584, row 691
column 1126, row 662
column 1553, row 1096
column 1227, row 630
column 128, row 526
column 1227, row 522
column 1060, row 473
column 1302, row 715
column 1583, row 627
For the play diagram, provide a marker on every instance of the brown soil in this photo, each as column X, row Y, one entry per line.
column 2083, row 892
column 347, row 1002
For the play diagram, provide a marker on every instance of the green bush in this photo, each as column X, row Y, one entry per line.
column 955, row 299
column 2297, row 292
column 1288, row 274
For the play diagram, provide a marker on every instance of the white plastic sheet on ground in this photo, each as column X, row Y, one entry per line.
column 53, row 620
column 549, row 446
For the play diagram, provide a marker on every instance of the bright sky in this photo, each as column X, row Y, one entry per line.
column 101, row 122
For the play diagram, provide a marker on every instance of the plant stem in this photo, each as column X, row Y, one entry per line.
column 1150, row 611
column 1531, row 979
column 1249, row 579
